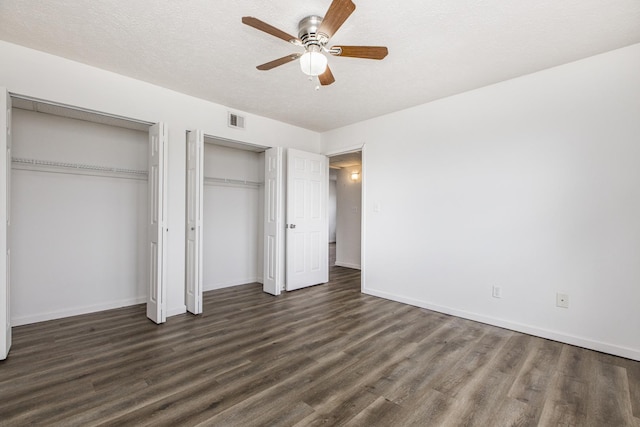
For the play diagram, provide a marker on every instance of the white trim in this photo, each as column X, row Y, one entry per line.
column 228, row 284
column 348, row 265
column 345, row 150
column 617, row 350
column 76, row 311
column 181, row 309
column 363, row 215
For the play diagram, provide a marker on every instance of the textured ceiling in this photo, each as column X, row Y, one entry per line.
column 437, row 48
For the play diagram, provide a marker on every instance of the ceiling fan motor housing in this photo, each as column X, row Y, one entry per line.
column 308, row 32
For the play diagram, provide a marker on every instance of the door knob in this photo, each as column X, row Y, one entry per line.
column 292, row 226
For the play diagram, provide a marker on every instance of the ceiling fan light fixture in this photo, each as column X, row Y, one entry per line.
column 314, row 32
column 313, row 63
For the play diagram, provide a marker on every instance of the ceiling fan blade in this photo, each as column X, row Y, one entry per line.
column 280, row 61
column 338, row 12
column 269, row 29
column 326, row 78
column 366, row 52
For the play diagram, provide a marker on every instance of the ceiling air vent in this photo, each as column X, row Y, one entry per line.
column 235, row 121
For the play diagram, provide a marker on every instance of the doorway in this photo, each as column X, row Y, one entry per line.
column 233, row 215
column 347, row 170
column 225, row 205
column 88, row 193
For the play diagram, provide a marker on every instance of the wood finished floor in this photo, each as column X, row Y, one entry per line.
column 327, row 355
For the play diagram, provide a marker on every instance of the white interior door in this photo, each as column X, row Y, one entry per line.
column 307, row 222
column 5, row 224
column 195, row 184
column 273, row 275
column 156, row 294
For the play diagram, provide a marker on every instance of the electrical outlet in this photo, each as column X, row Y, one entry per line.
column 562, row 300
column 496, row 292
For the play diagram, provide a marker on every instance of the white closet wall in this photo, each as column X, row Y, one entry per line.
column 333, row 177
column 233, row 215
column 78, row 241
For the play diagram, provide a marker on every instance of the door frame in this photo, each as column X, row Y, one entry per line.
column 82, row 111
column 5, row 224
column 223, row 142
column 363, row 211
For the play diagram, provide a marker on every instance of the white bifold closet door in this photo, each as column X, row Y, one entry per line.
column 5, row 223
column 157, row 224
column 273, row 274
column 195, row 202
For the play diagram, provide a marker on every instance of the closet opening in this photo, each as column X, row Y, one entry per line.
column 79, row 211
column 235, row 230
column 229, row 235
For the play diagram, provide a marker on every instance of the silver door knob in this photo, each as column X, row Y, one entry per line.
column 292, row 226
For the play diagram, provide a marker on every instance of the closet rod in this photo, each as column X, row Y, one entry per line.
column 76, row 168
column 215, row 180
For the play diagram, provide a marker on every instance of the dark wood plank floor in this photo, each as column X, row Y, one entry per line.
column 327, row 355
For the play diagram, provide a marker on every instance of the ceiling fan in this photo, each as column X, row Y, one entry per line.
column 314, row 33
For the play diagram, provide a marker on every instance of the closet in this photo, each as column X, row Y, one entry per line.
column 235, row 227
column 79, row 212
column 233, row 205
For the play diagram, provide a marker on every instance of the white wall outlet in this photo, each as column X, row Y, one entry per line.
column 496, row 292
column 562, row 300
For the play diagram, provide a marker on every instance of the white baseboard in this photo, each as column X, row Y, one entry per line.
column 181, row 309
column 228, row 284
column 75, row 311
column 348, row 265
column 604, row 347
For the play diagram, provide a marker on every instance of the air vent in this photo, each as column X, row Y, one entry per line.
column 235, row 121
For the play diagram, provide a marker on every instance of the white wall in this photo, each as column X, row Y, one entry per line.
column 36, row 74
column 233, row 218
column 332, row 206
column 532, row 185
column 348, row 218
column 78, row 242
